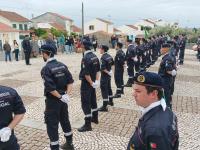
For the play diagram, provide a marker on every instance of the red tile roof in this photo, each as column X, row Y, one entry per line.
column 76, row 29
column 133, row 27
column 12, row 16
column 58, row 15
column 57, row 26
column 105, row 21
column 6, row 28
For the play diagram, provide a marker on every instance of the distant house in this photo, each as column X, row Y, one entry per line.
column 55, row 20
column 15, row 21
column 76, row 30
column 98, row 24
column 50, row 25
column 9, row 34
column 163, row 23
column 145, row 23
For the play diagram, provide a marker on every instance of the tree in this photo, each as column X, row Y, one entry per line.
column 192, row 34
column 40, row 32
column 58, row 33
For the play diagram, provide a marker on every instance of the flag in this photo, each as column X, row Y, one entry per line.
column 145, row 33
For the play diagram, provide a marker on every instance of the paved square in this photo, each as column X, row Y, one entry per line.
column 117, row 125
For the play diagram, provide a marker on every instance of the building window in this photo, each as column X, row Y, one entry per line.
column 91, row 27
column 25, row 27
column 14, row 26
column 20, row 27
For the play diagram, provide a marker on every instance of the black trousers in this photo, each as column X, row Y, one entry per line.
column 181, row 55
column 88, row 100
column 155, row 54
column 16, row 54
column 11, row 144
column 106, row 90
column 198, row 54
column 168, row 90
column 130, row 68
column 27, row 57
column 119, row 81
column 57, row 112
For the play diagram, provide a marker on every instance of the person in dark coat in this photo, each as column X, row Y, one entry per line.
column 157, row 128
column 27, row 49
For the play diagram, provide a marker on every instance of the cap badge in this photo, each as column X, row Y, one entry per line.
column 141, row 78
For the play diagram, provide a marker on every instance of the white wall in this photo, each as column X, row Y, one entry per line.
column 110, row 28
column 129, row 31
column 10, row 37
column 98, row 26
column 43, row 25
column 68, row 26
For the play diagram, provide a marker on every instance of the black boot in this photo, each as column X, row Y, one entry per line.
column 87, row 126
column 110, row 101
column 122, row 91
column 117, row 95
column 104, row 107
column 95, row 117
column 68, row 144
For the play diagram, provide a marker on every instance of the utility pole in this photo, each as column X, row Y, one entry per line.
column 82, row 19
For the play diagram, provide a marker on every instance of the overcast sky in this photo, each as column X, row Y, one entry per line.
column 186, row 12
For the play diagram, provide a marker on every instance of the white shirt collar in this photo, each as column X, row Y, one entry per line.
column 50, row 59
column 88, row 51
column 153, row 105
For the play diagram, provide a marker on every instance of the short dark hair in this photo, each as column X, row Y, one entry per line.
column 150, row 89
column 120, row 45
column 50, row 54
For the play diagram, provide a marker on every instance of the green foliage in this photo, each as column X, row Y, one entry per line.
column 40, row 32
column 44, row 36
column 147, row 28
column 58, row 33
column 74, row 34
column 192, row 34
column 44, row 33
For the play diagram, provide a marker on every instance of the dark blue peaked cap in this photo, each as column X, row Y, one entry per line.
column 149, row 79
column 48, row 48
column 87, row 43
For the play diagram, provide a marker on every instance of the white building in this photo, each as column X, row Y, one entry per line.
column 145, row 23
column 49, row 18
column 9, row 34
column 13, row 27
column 98, row 25
column 130, row 30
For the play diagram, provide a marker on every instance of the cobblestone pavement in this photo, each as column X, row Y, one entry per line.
column 116, row 126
